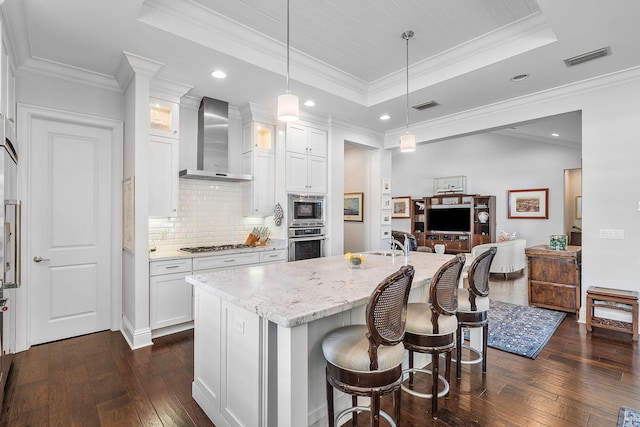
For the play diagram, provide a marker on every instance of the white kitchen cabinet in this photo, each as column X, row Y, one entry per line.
column 273, row 257
column 219, row 262
column 305, row 174
column 164, row 118
column 163, row 176
column 306, row 160
column 259, row 162
column 258, row 136
column 170, row 296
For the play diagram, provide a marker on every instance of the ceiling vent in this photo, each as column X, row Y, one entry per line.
column 425, row 105
column 594, row 54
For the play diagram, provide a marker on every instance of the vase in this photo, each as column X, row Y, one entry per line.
column 483, row 216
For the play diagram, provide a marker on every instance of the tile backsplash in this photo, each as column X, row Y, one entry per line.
column 209, row 213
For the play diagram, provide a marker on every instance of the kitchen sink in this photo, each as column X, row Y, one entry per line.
column 383, row 253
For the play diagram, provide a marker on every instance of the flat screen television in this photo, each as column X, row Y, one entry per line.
column 453, row 219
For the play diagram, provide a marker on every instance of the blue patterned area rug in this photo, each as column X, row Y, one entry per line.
column 628, row 417
column 519, row 329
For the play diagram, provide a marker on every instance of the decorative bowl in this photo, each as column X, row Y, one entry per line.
column 355, row 261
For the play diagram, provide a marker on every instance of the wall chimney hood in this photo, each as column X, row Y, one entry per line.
column 213, row 144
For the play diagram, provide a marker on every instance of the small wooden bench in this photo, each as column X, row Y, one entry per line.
column 615, row 299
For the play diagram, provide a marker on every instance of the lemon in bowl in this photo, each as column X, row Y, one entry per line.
column 354, row 260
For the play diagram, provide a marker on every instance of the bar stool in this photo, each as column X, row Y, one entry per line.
column 366, row 360
column 473, row 306
column 431, row 328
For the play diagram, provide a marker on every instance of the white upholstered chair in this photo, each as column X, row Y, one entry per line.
column 509, row 258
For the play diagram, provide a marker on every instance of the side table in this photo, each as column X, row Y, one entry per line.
column 615, row 299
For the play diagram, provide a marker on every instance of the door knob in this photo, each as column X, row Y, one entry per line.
column 39, row 259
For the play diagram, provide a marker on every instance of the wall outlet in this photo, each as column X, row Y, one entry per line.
column 608, row 233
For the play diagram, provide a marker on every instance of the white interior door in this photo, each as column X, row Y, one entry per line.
column 70, row 229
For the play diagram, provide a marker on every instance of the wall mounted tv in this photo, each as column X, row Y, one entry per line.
column 449, row 219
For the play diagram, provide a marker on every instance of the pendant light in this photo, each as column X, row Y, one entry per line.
column 408, row 140
column 287, row 102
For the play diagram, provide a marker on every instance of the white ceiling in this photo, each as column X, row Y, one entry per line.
column 346, row 55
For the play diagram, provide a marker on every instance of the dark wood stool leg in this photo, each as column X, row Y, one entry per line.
column 459, row 351
column 397, row 402
column 410, row 367
column 375, row 409
column 354, row 416
column 485, row 340
column 447, row 375
column 435, row 371
column 330, row 415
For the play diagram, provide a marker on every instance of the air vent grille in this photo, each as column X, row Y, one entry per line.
column 594, row 54
column 425, row 105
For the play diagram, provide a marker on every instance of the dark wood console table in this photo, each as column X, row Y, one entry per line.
column 554, row 277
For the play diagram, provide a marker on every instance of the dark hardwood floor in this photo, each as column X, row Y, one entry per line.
column 96, row 380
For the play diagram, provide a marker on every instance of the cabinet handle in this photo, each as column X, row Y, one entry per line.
column 229, row 260
column 171, row 266
column 175, row 132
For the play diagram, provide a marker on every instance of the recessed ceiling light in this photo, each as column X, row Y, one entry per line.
column 555, row 134
column 385, row 117
column 519, row 77
column 219, row 74
column 310, row 103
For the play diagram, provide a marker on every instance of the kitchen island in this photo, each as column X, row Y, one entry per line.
column 258, row 333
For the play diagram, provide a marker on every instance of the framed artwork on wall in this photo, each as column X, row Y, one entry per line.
column 401, row 207
column 386, row 201
column 128, row 219
column 385, row 218
column 353, row 206
column 385, row 232
column 529, row 204
column 578, row 207
column 386, row 186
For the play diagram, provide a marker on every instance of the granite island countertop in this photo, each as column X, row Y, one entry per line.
column 299, row 292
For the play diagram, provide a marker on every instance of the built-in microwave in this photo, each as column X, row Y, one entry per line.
column 305, row 211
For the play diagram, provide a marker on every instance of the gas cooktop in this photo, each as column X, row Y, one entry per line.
column 199, row 249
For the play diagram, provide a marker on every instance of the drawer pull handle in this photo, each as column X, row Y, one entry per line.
column 171, row 266
column 229, row 260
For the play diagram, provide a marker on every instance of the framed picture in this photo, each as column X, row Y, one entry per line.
column 386, row 186
column 386, row 201
column 401, row 207
column 128, row 197
column 353, row 206
column 531, row 204
column 578, row 207
column 385, row 218
column 385, row 232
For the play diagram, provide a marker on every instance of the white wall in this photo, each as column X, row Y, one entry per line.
column 356, row 172
column 493, row 164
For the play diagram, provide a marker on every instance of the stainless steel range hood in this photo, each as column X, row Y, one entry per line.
column 213, row 144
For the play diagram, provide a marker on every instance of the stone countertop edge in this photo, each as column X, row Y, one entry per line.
column 294, row 293
column 160, row 255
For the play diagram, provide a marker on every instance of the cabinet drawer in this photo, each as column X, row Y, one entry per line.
column 170, row 266
column 225, row 261
column 556, row 295
column 556, row 270
column 273, row 256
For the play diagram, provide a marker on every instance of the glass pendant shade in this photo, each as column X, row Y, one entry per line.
column 407, row 143
column 287, row 107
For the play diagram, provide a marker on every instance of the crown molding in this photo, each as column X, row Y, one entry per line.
column 253, row 112
column 489, row 114
column 15, row 33
column 168, row 90
column 514, row 39
column 206, row 27
column 67, row 72
column 511, row 133
column 131, row 64
column 339, row 123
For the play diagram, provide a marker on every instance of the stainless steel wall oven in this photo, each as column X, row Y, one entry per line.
column 306, row 243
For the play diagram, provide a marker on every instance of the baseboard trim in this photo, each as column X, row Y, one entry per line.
column 135, row 339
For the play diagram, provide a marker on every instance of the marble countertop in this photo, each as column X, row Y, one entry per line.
column 299, row 292
column 165, row 255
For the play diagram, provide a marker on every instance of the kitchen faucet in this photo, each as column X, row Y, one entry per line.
column 405, row 247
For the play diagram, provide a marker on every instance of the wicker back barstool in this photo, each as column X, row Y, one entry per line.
column 366, row 360
column 473, row 306
column 431, row 328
